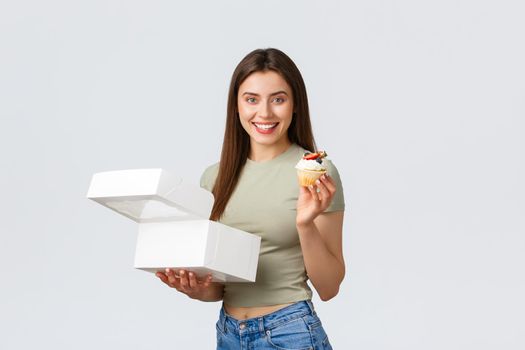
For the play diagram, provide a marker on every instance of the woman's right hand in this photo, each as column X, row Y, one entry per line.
column 188, row 283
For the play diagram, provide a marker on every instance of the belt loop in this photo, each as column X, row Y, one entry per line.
column 311, row 307
column 261, row 325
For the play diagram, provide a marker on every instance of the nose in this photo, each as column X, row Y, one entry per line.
column 265, row 110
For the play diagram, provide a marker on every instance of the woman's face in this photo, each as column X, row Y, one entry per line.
column 265, row 108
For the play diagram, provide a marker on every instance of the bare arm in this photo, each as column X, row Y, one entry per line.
column 320, row 235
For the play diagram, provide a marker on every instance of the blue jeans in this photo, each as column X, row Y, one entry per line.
column 294, row 327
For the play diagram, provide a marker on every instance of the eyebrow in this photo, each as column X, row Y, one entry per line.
column 275, row 93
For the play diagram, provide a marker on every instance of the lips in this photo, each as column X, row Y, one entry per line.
column 265, row 128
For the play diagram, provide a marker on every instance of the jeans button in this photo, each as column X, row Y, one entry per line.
column 242, row 326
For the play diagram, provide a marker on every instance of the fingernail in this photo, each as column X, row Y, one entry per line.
column 182, row 272
column 323, row 177
column 311, row 187
column 317, row 182
column 191, row 274
column 167, row 270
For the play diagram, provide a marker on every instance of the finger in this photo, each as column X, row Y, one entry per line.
column 303, row 191
column 329, row 183
column 313, row 194
column 207, row 281
column 326, row 197
column 313, row 191
column 192, row 280
column 173, row 279
column 171, row 276
column 183, row 279
column 162, row 277
column 324, row 194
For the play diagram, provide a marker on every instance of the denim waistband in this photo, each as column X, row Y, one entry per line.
column 228, row 323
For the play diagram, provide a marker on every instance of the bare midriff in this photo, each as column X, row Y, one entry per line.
column 243, row 313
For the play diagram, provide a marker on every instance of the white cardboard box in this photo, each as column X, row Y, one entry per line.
column 174, row 230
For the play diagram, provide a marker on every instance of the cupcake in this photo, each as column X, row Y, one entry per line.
column 310, row 168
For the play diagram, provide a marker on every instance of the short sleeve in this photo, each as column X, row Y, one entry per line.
column 209, row 176
column 338, row 202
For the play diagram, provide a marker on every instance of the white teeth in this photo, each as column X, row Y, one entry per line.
column 265, row 126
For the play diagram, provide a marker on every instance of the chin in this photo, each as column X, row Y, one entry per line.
column 265, row 142
column 273, row 142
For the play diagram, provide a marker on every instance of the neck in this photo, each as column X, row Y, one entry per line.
column 262, row 153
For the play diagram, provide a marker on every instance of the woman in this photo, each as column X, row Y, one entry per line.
column 255, row 187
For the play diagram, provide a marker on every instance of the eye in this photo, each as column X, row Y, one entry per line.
column 279, row 99
column 251, row 100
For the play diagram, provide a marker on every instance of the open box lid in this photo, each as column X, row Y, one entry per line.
column 150, row 195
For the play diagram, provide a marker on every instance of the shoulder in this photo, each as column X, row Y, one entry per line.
column 338, row 201
column 208, row 176
column 331, row 168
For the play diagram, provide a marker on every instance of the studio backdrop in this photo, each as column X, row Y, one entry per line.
column 419, row 104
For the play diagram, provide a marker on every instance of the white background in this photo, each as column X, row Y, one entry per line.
column 420, row 104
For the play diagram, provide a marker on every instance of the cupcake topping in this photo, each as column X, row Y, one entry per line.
column 317, row 156
column 312, row 161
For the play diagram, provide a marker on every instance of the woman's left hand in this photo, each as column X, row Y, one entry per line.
column 312, row 203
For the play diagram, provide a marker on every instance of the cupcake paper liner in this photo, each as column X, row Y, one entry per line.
column 308, row 177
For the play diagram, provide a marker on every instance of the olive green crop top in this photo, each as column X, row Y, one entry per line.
column 264, row 203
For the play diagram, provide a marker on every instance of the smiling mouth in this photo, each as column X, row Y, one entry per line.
column 265, row 126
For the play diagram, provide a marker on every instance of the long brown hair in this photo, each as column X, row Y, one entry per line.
column 236, row 144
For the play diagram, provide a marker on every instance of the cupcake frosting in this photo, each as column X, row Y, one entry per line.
column 311, row 165
column 312, row 161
